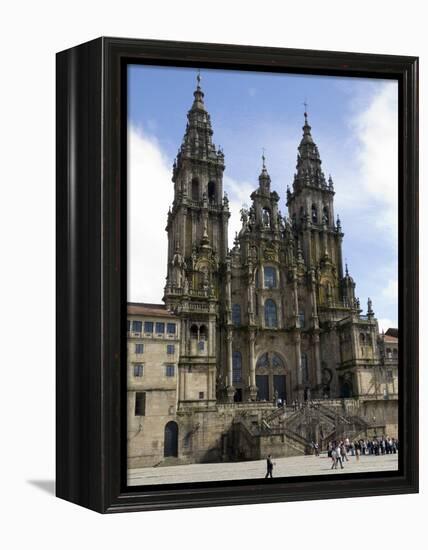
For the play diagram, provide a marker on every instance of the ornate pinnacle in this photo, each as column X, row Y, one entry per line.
column 370, row 312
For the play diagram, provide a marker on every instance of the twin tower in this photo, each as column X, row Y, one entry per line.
column 275, row 316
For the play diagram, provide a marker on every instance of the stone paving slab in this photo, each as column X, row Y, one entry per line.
column 284, row 467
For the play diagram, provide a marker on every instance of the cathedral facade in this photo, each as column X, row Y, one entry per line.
column 272, row 320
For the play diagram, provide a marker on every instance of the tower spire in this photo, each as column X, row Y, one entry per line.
column 308, row 168
column 264, row 178
column 197, row 141
column 198, row 94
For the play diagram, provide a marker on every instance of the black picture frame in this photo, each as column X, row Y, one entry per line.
column 91, row 273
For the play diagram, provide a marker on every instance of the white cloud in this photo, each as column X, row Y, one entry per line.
column 376, row 131
column 385, row 324
column 366, row 184
column 390, row 292
column 239, row 195
column 150, row 191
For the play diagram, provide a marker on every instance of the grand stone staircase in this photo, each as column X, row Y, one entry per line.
column 288, row 431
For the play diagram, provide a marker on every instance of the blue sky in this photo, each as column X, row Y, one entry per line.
column 354, row 123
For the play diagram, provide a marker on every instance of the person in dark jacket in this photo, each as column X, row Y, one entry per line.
column 269, row 466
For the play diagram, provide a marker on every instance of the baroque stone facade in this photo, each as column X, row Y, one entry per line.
column 273, row 320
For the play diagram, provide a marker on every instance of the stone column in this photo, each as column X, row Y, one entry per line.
column 208, row 383
column 184, row 385
column 296, row 299
column 213, row 388
column 339, row 256
column 298, row 361
column 252, row 390
column 250, row 296
column 316, row 342
column 225, row 220
column 181, row 383
column 325, row 240
column 230, row 388
column 183, row 234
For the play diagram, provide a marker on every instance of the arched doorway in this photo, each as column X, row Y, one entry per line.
column 346, row 390
column 271, row 377
column 170, row 447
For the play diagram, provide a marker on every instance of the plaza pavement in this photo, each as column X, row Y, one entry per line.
column 284, row 467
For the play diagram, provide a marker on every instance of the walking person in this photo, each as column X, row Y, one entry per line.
column 357, row 450
column 333, row 459
column 343, row 453
column 269, row 466
column 339, row 456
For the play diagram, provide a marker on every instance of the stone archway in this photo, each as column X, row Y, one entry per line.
column 271, row 377
column 170, row 447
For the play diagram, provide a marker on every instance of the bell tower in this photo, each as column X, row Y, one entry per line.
column 311, row 210
column 197, row 229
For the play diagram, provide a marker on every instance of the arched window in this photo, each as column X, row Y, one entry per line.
column 314, row 214
column 203, row 333
column 237, row 367
column 304, row 367
column 269, row 277
column 270, row 360
column 325, row 215
column 236, row 315
column 388, row 353
column 302, row 319
column 362, row 338
column 195, row 189
column 263, row 361
column 395, row 352
column 266, row 217
column 271, row 318
column 302, row 215
column 276, row 361
column 211, row 191
column 194, row 332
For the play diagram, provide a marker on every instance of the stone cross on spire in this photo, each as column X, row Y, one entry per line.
column 305, row 103
column 264, row 178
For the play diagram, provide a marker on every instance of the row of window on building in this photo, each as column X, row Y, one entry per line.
column 150, row 327
column 271, row 315
column 140, row 402
column 139, row 349
column 138, row 370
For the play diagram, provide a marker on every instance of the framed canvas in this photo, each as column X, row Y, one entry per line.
column 229, row 358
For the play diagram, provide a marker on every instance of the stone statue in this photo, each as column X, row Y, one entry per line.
column 266, row 218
